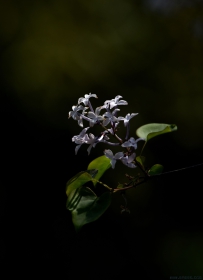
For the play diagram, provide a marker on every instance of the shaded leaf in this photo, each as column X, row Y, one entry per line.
column 77, row 181
column 101, row 164
column 155, row 169
column 92, row 172
column 90, row 207
column 141, row 160
column 151, row 130
column 73, row 199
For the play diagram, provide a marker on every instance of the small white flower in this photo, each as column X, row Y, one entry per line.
column 95, row 117
column 80, row 139
column 92, row 140
column 128, row 160
column 110, row 117
column 85, row 99
column 109, row 154
column 74, row 114
column 127, row 118
column 131, row 143
column 80, row 121
column 115, row 102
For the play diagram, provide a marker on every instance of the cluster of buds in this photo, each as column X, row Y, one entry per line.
column 109, row 122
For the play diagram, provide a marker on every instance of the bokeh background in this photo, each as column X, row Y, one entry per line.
column 53, row 52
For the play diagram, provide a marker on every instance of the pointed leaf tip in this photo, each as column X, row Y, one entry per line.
column 151, row 130
column 156, row 169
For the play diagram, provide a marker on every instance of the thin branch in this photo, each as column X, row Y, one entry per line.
column 143, row 147
column 118, row 138
column 127, row 131
column 184, row 168
column 146, row 178
column 134, row 185
column 141, row 167
column 110, row 143
column 97, row 181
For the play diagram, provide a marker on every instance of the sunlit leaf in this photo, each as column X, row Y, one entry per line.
column 155, row 169
column 101, row 164
column 77, row 181
column 151, row 130
column 90, row 207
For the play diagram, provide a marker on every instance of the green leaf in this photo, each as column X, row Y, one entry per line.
column 120, row 186
column 90, row 207
column 151, row 130
column 73, row 199
column 92, row 172
column 101, row 164
column 141, row 160
column 77, row 181
column 155, row 169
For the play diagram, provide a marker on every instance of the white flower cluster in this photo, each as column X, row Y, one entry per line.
column 80, row 113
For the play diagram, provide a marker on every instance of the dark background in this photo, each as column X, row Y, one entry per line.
column 53, row 52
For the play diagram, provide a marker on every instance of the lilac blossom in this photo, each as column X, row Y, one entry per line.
column 79, row 114
column 110, row 117
column 109, row 154
column 92, row 140
column 80, row 120
column 85, row 99
column 128, row 160
column 131, row 143
column 74, row 114
column 127, row 118
column 80, row 139
column 95, row 117
column 115, row 102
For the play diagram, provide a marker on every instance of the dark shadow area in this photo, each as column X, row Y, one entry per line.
column 149, row 52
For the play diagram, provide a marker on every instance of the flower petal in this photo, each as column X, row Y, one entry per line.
column 82, row 133
column 118, row 155
column 106, row 122
column 89, row 148
column 113, row 162
column 131, row 165
column 127, row 144
column 122, row 102
column 91, row 115
column 118, row 97
column 131, row 157
column 108, row 153
column 77, row 148
column 80, row 122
